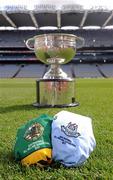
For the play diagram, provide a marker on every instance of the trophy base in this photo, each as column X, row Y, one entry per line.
column 55, row 93
column 55, row 106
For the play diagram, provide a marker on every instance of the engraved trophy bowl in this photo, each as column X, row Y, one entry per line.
column 55, row 49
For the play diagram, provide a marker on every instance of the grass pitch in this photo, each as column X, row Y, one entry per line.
column 96, row 101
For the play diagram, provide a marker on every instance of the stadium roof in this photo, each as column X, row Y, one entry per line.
column 55, row 14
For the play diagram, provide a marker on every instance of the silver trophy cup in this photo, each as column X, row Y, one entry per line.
column 56, row 88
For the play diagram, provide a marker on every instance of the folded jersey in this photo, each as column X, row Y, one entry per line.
column 33, row 141
column 72, row 138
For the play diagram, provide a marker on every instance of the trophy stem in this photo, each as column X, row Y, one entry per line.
column 55, row 72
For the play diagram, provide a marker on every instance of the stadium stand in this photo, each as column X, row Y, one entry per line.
column 33, row 71
column 21, row 70
column 86, row 71
column 107, row 69
column 83, row 64
column 8, row 70
column 93, row 38
column 95, row 59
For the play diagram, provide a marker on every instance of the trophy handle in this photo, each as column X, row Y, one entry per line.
column 29, row 43
column 80, row 42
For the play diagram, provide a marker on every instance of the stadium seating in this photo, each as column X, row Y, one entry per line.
column 73, row 70
column 86, row 71
column 33, row 71
column 107, row 69
column 19, row 71
column 93, row 38
column 8, row 70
